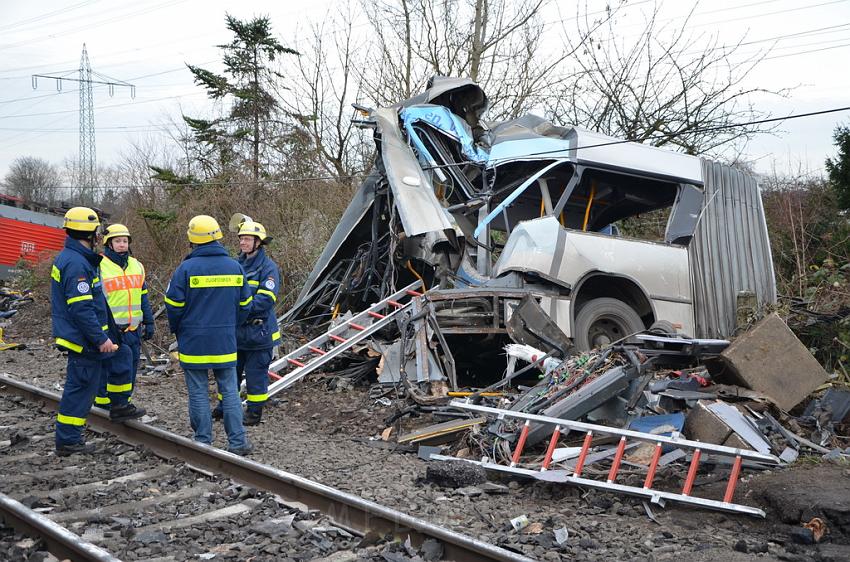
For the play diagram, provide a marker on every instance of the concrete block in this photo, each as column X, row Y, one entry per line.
column 734, row 440
column 770, row 359
column 703, row 425
column 707, row 427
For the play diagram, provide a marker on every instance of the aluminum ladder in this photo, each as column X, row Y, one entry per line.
column 562, row 427
column 324, row 348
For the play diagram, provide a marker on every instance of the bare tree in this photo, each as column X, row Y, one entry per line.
column 496, row 43
column 665, row 86
column 320, row 99
column 79, row 194
column 33, row 179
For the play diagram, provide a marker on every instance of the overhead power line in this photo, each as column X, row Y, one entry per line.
column 105, row 106
column 816, row 31
column 48, row 15
column 31, row 138
column 278, row 181
column 94, row 24
column 777, row 12
column 719, row 24
column 113, row 129
column 661, row 136
column 807, row 52
column 134, row 79
column 28, row 98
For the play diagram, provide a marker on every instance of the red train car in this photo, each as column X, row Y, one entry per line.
column 27, row 235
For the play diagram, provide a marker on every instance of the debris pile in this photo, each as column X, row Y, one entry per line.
column 657, row 417
column 480, row 273
column 692, row 420
column 10, row 301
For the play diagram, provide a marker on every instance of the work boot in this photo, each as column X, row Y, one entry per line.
column 126, row 412
column 70, row 449
column 242, row 451
column 252, row 417
column 217, row 413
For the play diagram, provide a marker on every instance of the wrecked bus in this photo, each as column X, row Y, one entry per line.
column 486, row 213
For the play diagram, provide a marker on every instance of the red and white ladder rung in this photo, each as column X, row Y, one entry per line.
column 575, row 477
column 346, row 334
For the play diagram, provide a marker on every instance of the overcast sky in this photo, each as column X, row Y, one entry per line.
column 147, row 42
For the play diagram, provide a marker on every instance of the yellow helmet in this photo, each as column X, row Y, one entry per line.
column 115, row 230
column 251, row 228
column 203, row 229
column 81, row 219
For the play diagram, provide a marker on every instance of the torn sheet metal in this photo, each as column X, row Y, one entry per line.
column 594, row 148
column 533, row 138
column 462, row 96
column 529, row 324
column 418, row 208
column 389, row 369
column 834, row 401
column 740, row 425
column 441, row 432
column 684, row 215
column 730, row 251
column 690, row 347
column 526, row 138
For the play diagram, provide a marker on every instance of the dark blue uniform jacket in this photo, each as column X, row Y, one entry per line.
column 206, row 300
column 260, row 331
column 80, row 313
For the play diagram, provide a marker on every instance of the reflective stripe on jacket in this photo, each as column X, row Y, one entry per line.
column 205, row 301
column 260, row 330
column 123, row 289
column 80, row 315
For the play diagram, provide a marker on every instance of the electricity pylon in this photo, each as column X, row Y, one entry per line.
column 86, row 174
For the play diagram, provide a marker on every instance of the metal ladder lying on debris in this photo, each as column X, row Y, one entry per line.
column 322, row 349
column 562, row 427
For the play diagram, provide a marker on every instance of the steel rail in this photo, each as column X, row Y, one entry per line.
column 347, row 510
column 61, row 542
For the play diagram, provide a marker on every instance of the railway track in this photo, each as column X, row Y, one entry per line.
column 148, row 494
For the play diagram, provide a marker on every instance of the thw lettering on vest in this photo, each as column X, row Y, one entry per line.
column 123, row 283
column 124, row 291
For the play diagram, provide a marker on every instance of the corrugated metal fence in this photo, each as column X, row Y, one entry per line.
column 730, row 251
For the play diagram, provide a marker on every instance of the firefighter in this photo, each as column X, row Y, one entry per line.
column 123, row 278
column 206, row 299
column 257, row 337
column 82, row 326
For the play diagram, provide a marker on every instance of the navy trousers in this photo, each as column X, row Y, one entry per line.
column 81, row 383
column 255, row 366
column 119, row 377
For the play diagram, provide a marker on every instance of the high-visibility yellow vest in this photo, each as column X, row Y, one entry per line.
column 123, row 288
